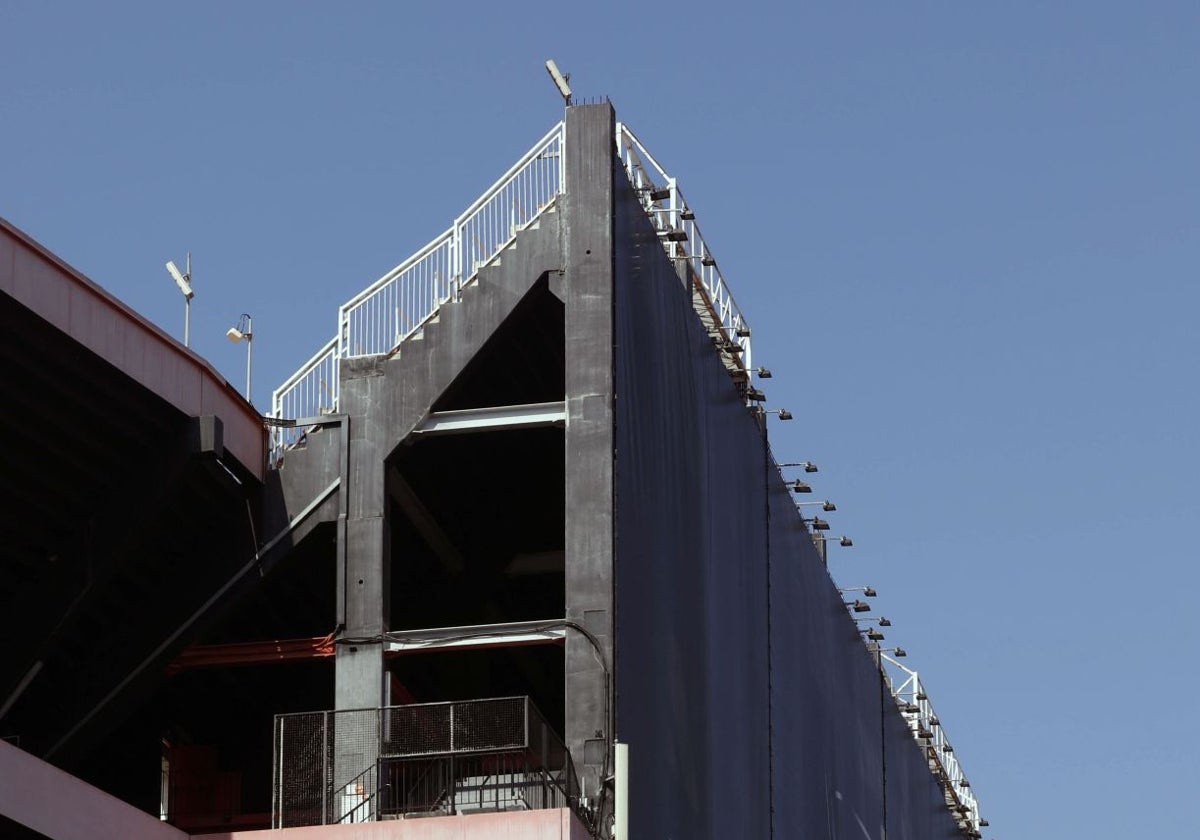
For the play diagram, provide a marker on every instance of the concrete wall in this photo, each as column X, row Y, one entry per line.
column 557, row 824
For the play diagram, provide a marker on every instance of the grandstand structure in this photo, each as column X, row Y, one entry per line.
column 510, row 555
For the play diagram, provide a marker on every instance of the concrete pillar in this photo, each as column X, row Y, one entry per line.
column 364, row 585
column 588, row 285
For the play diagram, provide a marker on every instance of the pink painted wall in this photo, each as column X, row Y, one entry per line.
column 44, row 798
column 57, row 293
column 558, row 824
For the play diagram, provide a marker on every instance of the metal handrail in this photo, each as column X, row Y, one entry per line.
column 311, row 391
column 398, row 304
column 393, row 308
column 927, row 729
column 505, row 743
column 380, row 317
column 364, row 778
column 675, row 223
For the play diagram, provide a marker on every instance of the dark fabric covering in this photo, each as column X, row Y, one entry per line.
column 703, row 521
column 691, row 587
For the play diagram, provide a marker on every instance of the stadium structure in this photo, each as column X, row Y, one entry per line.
column 511, row 556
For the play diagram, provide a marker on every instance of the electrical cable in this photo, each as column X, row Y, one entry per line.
column 539, row 628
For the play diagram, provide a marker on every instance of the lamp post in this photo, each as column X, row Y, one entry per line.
column 244, row 331
column 184, row 282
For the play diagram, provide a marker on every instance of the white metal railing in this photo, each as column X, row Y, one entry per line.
column 918, row 712
column 676, row 225
column 391, row 309
column 380, row 317
column 310, row 391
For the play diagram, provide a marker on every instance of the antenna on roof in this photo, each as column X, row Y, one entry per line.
column 560, row 81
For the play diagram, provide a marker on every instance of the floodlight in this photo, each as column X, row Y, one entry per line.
column 561, row 81
column 809, row 466
column 243, row 331
column 865, row 590
column 184, row 281
column 181, row 280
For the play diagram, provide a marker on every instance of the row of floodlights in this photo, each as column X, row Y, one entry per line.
column 858, row 606
column 816, row 523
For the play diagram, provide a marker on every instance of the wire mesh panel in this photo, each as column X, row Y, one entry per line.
column 490, row 724
column 368, row 764
column 301, row 770
column 353, row 754
column 418, row 730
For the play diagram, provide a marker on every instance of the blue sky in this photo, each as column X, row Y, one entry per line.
column 967, row 238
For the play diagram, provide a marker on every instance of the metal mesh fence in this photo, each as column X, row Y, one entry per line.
column 418, row 730
column 301, row 769
column 369, row 764
column 490, row 724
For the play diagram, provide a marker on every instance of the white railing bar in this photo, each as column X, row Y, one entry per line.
column 428, row 249
column 501, row 182
column 910, row 692
column 624, row 129
column 304, row 369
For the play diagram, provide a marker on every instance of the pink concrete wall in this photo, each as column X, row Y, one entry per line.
column 44, row 798
column 74, row 304
column 558, row 824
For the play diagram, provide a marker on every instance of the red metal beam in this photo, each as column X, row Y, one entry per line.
column 286, row 650
column 251, row 653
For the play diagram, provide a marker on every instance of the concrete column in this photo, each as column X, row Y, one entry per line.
column 364, row 584
column 588, row 286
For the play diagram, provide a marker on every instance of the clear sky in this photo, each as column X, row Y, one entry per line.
column 967, row 236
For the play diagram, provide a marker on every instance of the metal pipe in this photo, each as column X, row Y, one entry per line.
column 21, row 686
column 621, row 783
column 249, row 348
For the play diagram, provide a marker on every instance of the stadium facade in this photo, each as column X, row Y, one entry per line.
column 511, row 556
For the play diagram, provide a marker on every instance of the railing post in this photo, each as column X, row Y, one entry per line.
column 456, row 256
column 276, row 799
column 325, row 769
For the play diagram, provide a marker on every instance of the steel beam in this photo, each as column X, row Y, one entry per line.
column 424, row 521
column 494, row 418
column 509, row 634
